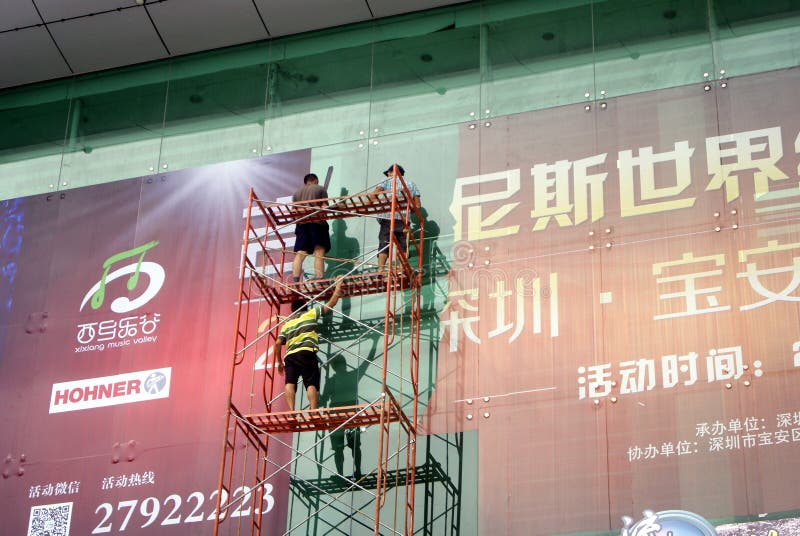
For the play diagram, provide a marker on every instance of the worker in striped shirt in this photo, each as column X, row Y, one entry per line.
column 299, row 335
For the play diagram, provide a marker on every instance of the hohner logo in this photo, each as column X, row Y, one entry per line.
column 110, row 390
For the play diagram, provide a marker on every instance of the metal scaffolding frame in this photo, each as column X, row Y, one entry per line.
column 253, row 427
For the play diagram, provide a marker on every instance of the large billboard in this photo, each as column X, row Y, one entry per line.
column 615, row 319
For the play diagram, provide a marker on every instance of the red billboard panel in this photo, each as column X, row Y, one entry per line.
column 117, row 337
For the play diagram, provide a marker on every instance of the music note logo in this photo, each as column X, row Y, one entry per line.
column 155, row 272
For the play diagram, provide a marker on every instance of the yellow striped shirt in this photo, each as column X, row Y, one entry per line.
column 300, row 332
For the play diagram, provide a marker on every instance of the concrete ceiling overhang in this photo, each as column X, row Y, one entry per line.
column 49, row 39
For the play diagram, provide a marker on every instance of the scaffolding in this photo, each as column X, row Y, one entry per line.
column 257, row 438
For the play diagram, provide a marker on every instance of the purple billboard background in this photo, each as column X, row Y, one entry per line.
column 149, row 465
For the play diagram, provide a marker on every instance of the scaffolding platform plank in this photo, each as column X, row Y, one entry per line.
column 334, row 208
column 324, row 418
column 358, row 284
column 423, row 474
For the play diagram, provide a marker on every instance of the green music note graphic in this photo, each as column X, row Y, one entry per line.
column 100, row 295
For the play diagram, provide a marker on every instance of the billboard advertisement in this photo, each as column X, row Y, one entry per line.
column 616, row 323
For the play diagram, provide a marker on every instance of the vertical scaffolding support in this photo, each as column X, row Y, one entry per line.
column 251, row 422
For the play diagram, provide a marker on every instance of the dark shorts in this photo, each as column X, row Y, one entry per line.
column 310, row 235
column 302, row 363
column 383, row 235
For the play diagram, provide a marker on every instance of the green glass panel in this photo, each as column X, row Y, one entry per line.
column 33, row 125
column 29, row 177
column 752, row 36
column 426, row 73
column 116, row 122
column 30, row 127
column 644, row 46
column 534, row 56
column 446, row 464
column 216, row 116
column 318, row 91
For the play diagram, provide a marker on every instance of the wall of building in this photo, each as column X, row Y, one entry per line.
column 610, row 296
column 397, row 76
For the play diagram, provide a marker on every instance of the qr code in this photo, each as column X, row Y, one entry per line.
column 50, row 520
